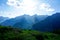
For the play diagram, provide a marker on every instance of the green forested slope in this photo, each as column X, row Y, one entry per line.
column 8, row 33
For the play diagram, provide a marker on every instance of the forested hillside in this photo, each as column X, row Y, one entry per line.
column 9, row 33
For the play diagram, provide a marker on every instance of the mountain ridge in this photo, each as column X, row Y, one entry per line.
column 29, row 20
column 49, row 24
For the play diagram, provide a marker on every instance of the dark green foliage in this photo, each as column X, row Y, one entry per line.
column 9, row 33
column 56, row 31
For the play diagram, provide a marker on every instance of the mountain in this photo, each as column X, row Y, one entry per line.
column 23, row 21
column 38, row 18
column 49, row 24
column 27, row 21
column 2, row 19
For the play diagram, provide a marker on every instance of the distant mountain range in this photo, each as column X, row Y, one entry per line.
column 2, row 19
column 24, row 21
column 49, row 24
column 35, row 22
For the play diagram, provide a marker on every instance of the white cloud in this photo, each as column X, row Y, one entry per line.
column 14, row 3
column 46, row 7
column 29, row 7
column 50, row 10
column 19, row 4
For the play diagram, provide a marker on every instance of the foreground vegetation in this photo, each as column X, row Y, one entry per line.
column 8, row 33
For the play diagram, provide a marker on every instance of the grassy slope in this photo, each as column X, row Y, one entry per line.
column 8, row 33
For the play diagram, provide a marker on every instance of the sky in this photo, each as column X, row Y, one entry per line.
column 13, row 8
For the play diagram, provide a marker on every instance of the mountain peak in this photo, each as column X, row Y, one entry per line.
column 58, row 13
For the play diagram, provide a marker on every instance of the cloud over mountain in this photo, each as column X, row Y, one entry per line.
column 30, row 7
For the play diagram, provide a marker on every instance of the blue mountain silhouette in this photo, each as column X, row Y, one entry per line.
column 24, row 21
column 49, row 24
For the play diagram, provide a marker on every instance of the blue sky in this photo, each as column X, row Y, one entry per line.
column 13, row 8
